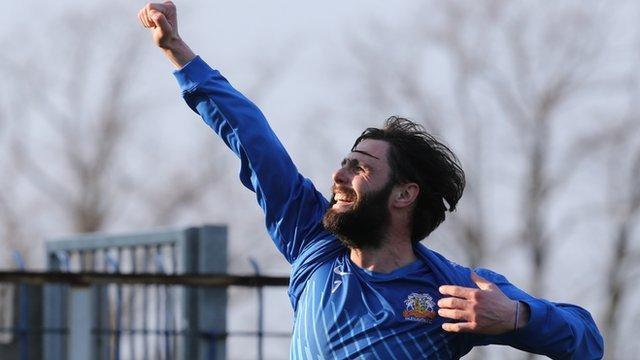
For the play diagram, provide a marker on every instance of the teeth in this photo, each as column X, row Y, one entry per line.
column 343, row 198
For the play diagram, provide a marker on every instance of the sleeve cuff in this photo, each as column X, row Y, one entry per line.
column 537, row 318
column 192, row 74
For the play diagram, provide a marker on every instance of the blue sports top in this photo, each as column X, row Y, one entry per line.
column 341, row 310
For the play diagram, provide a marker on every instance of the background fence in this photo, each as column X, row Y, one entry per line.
column 156, row 295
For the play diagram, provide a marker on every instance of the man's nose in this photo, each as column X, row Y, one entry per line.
column 340, row 176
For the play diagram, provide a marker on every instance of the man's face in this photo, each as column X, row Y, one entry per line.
column 359, row 208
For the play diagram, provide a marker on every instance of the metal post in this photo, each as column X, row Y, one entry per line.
column 23, row 296
column 212, row 347
column 145, row 300
column 205, row 309
column 80, row 312
column 53, row 344
column 158, row 310
column 132, row 301
column 256, row 270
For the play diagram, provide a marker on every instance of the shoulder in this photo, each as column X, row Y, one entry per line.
column 445, row 270
column 460, row 271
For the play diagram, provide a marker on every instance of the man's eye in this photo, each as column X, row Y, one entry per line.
column 359, row 169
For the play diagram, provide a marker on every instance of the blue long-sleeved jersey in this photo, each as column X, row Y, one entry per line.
column 343, row 311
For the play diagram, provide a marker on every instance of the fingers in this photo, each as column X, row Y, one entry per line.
column 454, row 314
column 160, row 20
column 453, row 303
column 458, row 291
column 164, row 8
column 148, row 9
column 148, row 13
column 455, row 309
column 468, row 293
column 142, row 16
column 459, row 327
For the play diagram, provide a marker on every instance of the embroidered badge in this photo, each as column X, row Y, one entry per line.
column 419, row 307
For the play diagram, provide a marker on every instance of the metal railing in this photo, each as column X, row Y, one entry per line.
column 158, row 295
column 27, row 335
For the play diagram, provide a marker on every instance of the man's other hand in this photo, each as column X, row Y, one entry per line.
column 486, row 310
column 162, row 19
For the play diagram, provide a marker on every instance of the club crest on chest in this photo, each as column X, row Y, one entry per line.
column 419, row 307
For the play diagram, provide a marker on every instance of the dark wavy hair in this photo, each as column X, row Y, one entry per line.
column 417, row 156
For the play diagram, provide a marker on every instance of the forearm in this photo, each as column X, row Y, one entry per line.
column 238, row 122
column 559, row 331
column 179, row 53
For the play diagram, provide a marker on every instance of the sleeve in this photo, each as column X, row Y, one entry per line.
column 559, row 331
column 293, row 207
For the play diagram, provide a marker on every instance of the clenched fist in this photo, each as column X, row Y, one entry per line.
column 162, row 19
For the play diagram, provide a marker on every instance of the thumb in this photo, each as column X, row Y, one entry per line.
column 161, row 21
column 482, row 283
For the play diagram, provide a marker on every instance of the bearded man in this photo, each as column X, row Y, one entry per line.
column 362, row 286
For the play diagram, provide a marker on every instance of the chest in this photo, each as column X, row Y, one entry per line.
column 346, row 313
column 409, row 298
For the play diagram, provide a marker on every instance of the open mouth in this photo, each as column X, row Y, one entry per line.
column 339, row 203
column 343, row 198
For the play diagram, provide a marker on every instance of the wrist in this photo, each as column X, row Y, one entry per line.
column 523, row 313
column 178, row 52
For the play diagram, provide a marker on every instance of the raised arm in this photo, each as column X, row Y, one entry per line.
column 292, row 206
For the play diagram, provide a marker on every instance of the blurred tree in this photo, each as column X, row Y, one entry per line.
column 623, row 213
column 12, row 234
column 78, row 137
column 71, row 141
column 81, row 144
column 551, row 54
column 497, row 76
column 515, row 62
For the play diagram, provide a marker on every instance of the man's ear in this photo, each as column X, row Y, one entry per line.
column 405, row 195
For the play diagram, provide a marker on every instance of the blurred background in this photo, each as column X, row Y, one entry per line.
column 540, row 100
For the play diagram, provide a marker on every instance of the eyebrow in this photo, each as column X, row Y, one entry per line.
column 353, row 162
column 365, row 153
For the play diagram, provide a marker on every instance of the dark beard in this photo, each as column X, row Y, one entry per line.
column 363, row 226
